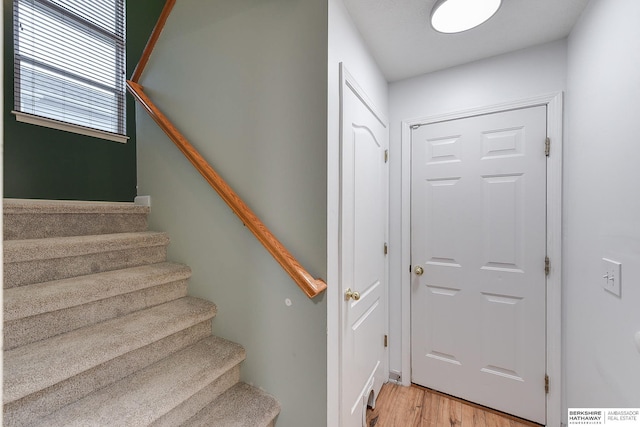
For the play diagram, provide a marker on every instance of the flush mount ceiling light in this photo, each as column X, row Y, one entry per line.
column 455, row 16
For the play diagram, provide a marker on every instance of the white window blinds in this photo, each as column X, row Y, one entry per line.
column 69, row 61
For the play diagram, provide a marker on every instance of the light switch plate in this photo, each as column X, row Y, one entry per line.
column 612, row 276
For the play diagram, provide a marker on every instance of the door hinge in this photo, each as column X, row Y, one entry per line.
column 547, row 266
column 386, row 249
column 386, row 156
column 386, row 340
column 546, row 384
column 547, row 146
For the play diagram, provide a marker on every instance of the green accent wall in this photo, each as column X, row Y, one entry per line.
column 43, row 163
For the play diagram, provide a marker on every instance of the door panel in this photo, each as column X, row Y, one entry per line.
column 479, row 232
column 363, row 261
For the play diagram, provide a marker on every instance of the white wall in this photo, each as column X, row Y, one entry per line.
column 518, row 75
column 602, row 206
column 246, row 82
column 345, row 45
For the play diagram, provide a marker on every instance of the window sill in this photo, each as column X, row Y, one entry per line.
column 68, row 127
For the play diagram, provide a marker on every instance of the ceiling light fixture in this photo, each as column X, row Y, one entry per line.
column 455, row 16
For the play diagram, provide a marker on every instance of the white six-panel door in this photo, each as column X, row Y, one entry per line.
column 363, row 268
column 478, row 217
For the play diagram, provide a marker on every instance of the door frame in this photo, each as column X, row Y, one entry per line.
column 554, row 104
column 334, row 297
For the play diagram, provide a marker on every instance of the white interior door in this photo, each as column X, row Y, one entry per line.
column 363, row 270
column 478, row 218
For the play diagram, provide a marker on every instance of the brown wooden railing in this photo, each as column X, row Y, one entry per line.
column 309, row 285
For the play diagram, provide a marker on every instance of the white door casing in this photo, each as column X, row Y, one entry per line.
column 363, row 259
column 479, row 232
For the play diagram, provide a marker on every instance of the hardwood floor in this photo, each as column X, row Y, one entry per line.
column 415, row 406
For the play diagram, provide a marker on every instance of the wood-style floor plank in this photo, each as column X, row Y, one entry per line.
column 410, row 399
column 413, row 400
column 443, row 412
column 495, row 420
column 472, row 416
column 450, row 413
column 430, row 408
column 416, row 406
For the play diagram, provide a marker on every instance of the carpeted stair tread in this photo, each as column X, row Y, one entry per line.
column 149, row 394
column 42, row 260
column 31, row 300
column 34, row 219
column 64, row 247
column 240, row 406
column 29, row 410
column 36, row 366
column 29, row 206
column 46, row 325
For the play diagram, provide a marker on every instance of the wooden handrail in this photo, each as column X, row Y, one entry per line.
column 151, row 43
column 309, row 285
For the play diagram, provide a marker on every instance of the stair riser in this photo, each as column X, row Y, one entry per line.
column 42, row 364
column 44, row 270
column 40, row 298
column 241, row 405
column 29, row 409
column 34, row 328
column 199, row 400
column 19, row 226
column 158, row 390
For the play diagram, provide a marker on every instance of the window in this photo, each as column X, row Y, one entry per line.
column 69, row 65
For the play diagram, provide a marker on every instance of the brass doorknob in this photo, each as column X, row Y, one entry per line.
column 349, row 294
column 419, row 271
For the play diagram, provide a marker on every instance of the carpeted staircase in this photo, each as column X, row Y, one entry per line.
column 99, row 330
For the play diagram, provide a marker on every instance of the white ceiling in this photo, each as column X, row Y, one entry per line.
column 403, row 43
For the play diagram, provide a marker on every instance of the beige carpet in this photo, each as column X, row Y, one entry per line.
column 99, row 330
